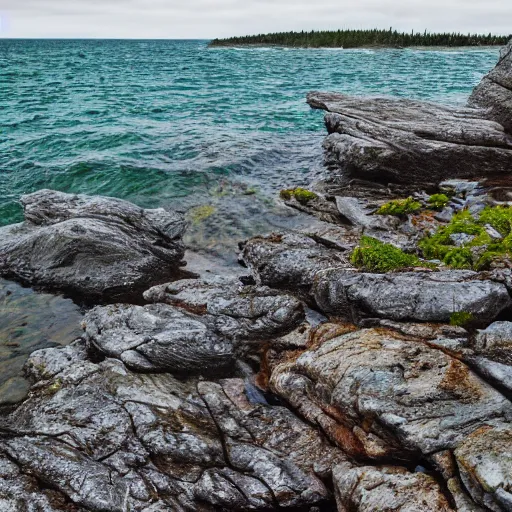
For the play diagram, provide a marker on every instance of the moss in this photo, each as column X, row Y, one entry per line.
column 56, row 386
column 438, row 201
column 374, row 256
column 440, row 246
column 302, row 195
column 499, row 217
column 461, row 318
column 201, row 213
column 400, row 207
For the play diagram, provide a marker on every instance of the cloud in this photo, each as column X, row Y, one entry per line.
column 218, row 18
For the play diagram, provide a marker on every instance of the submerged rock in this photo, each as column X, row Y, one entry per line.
column 95, row 248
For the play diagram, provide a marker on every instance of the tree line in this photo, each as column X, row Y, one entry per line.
column 363, row 38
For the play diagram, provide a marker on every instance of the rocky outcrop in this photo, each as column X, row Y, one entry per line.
column 91, row 247
column 401, row 141
column 394, row 140
column 209, row 325
column 494, row 92
column 109, row 439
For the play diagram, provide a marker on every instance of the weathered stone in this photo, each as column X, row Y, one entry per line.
column 410, row 142
column 368, row 489
column 494, row 92
column 378, row 394
column 96, row 248
column 235, row 311
column 485, row 464
column 409, row 296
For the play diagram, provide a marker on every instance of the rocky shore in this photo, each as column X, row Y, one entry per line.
column 364, row 366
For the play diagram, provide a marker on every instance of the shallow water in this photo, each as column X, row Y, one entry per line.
column 212, row 132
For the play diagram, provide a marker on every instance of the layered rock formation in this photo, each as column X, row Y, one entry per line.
column 93, row 248
column 401, row 141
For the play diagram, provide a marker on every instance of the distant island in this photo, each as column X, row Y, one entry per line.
column 362, row 39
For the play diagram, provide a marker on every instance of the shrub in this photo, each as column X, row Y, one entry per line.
column 400, row 207
column 438, row 201
column 375, row 256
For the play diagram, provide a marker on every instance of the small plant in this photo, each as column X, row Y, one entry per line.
column 461, row 318
column 302, row 195
column 374, row 256
column 438, row 201
column 499, row 217
column 400, row 207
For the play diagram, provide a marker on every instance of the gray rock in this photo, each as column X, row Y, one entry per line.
column 158, row 337
column 410, row 142
column 495, row 342
column 113, row 440
column 410, row 296
column 360, row 216
column 368, row 489
column 235, row 311
column 96, row 248
column 445, row 215
column 460, row 188
column 461, row 239
column 494, row 92
column 485, row 463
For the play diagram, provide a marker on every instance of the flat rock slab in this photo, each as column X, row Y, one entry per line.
column 91, row 247
column 404, row 141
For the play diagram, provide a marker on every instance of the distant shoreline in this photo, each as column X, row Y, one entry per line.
column 363, row 39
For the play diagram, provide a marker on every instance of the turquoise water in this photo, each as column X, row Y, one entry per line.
column 175, row 124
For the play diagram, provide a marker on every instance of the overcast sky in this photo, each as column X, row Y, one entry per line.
column 205, row 19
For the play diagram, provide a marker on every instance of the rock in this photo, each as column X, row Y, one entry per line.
column 410, row 142
column 494, row 92
column 445, row 215
column 409, row 296
column 194, row 327
column 368, row 489
column 105, row 438
column 485, row 463
column 158, row 337
column 495, row 342
column 233, row 310
column 461, row 239
column 380, row 395
column 290, row 261
column 95, row 248
column 460, row 188
column 360, row 216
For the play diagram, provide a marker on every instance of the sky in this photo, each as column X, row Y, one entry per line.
column 207, row 19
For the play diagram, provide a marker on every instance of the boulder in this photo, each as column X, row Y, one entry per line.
column 494, row 92
column 91, row 247
column 410, row 142
column 409, row 296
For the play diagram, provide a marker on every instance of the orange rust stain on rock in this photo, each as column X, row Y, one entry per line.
column 457, row 380
column 328, row 331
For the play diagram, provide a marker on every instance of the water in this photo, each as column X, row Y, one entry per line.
column 212, row 132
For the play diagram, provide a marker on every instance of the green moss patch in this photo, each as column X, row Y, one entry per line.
column 374, row 256
column 302, row 195
column 400, row 207
column 461, row 318
column 438, row 201
column 480, row 251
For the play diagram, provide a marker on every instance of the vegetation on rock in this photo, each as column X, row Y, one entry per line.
column 438, row 201
column 400, row 207
column 461, row 318
column 362, row 38
column 302, row 195
column 479, row 249
column 374, row 256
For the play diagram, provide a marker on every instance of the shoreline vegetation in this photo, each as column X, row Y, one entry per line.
column 363, row 39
